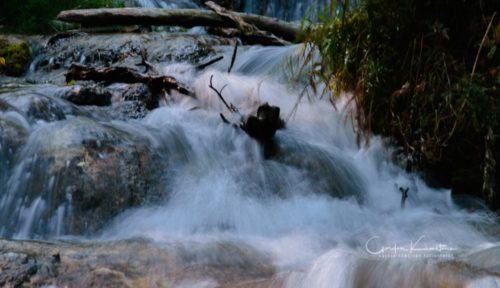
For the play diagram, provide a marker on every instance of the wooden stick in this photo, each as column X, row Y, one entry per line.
column 205, row 65
column 233, row 58
column 231, row 107
column 482, row 44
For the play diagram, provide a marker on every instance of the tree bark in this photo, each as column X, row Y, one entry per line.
column 176, row 17
column 248, row 33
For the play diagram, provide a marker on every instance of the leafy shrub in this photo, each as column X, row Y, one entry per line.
column 35, row 16
column 415, row 77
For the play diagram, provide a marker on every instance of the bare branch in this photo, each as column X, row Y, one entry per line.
column 231, row 107
column 233, row 58
column 205, row 65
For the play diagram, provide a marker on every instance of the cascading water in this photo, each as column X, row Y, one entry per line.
column 292, row 10
column 322, row 211
column 166, row 4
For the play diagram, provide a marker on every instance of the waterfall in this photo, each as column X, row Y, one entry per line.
column 289, row 10
column 165, row 4
column 325, row 211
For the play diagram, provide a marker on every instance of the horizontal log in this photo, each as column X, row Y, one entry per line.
column 124, row 75
column 174, row 17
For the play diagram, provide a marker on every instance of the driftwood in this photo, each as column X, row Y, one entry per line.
column 177, row 17
column 156, row 84
column 261, row 126
column 205, row 65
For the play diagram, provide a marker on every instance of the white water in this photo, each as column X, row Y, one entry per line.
column 319, row 210
column 166, row 4
column 227, row 191
column 290, row 10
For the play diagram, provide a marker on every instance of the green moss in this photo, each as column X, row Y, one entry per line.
column 16, row 57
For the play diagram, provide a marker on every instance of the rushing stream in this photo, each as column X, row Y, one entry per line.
column 322, row 212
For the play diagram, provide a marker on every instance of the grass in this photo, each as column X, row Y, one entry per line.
column 424, row 74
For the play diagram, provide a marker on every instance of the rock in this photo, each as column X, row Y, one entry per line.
column 15, row 55
column 331, row 173
column 16, row 269
column 140, row 92
column 88, row 95
column 264, row 124
column 74, row 176
column 130, row 263
column 123, row 49
column 14, row 130
column 37, row 105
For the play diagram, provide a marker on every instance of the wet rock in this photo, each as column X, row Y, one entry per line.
column 75, row 175
column 120, row 50
column 37, row 105
column 88, row 95
column 117, row 101
column 14, row 130
column 330, row 172
column 14, row 127
column 63, row 35
column 139, row 92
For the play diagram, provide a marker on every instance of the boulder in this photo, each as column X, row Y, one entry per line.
column 73, row 176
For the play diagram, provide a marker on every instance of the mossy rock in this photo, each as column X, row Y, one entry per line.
column 14, row 57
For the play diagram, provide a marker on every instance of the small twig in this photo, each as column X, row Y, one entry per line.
column 481, row 45
column 224, row 119
column 231, row 107
column 233, row 58
column 144, row 62
column 205, row 65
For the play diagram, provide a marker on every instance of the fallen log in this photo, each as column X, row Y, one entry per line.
column 249, row 33
column 156, row 84
column 176, row 17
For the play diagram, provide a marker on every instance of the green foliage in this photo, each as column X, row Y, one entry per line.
column 408, row 64
column 36, row 16
column 13, row 57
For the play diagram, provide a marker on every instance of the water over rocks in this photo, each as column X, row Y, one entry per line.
column 76, row 175
column 104, row 50
column 90, row 166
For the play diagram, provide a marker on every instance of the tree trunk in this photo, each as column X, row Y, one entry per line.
column 175, row 17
